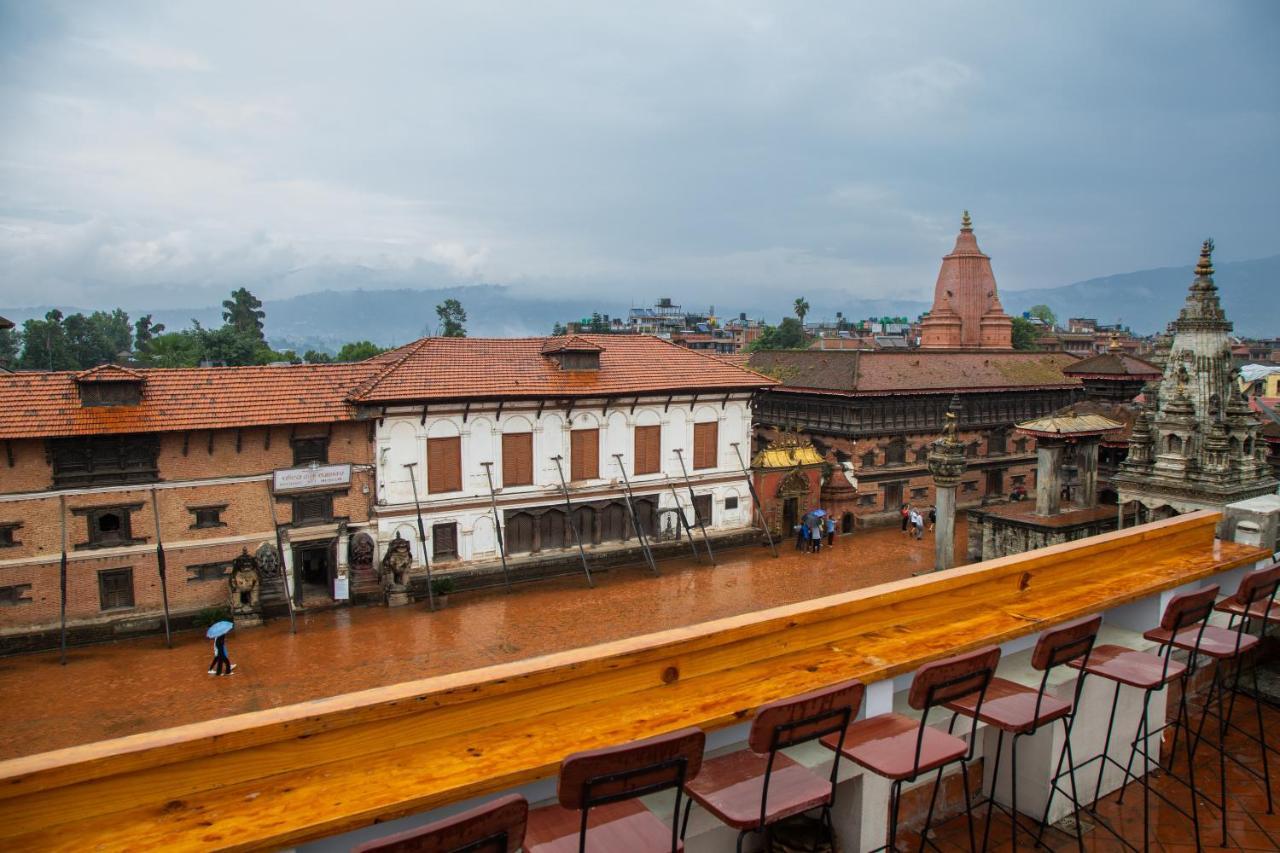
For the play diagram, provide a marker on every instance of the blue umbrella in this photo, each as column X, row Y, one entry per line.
column 217, row 629
column 817, row 513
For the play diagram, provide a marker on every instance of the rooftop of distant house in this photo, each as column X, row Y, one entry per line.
column 913, row 371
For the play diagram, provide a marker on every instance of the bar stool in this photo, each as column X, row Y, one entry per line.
column 901, row 749
column 1019, row 710
column 1255, row 598
column 494, row 827
column 752, row 789
column 1149, row 673
column 601, row 787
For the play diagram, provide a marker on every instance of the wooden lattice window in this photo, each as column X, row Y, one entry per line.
column 312, row 509
column 14, row 595
column 444, row 541
column 109, row 526
column 444, row 465
column 115, row 589
column 584, row 454
column 206, row 516
column 308, row 450
column 198, row 572
column 706, row 445
column 648, row 449
column 7, row 531
column 104, row 460
column 517, row 459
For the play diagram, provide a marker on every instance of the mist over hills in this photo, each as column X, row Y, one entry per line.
column 1145, row 300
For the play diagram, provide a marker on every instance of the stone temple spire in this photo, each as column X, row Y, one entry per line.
column 966, row 311
column 1202, row 449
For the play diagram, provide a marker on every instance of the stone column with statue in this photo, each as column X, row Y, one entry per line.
column 245, row 582
column 947, row 465
column 394, row 571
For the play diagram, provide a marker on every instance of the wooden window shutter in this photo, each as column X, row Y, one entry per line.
column 706, row 442
column 517, row 459
column 648, row 449
column 584, row 450
column 444, row 465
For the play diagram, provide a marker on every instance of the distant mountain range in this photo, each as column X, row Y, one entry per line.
column 1145, row 301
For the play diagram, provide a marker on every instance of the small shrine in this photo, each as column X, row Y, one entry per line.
column 789, row 478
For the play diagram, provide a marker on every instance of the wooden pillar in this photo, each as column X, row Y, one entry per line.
column 1087, row 461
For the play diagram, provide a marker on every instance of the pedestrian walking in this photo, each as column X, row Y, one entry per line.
column 221, row 664
column 906, row 516
column 802, row 536
column 815, row 535
column 831, row 531
column 933, row 517
column 917, row 524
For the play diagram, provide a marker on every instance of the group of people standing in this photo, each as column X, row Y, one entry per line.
column 811, row 530
column 913, row 520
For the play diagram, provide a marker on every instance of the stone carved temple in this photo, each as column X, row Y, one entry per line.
column 1197, row 444
column 966, row 312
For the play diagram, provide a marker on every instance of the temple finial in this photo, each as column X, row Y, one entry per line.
column 966, row 224
column 1115, row 342
column 1205, row 267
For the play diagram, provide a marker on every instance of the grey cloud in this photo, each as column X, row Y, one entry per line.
column 730, row 151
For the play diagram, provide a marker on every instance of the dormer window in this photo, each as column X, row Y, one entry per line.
column 573, row 353
column 110, row 385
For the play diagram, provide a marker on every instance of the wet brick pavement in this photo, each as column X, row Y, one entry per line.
column 122, row 688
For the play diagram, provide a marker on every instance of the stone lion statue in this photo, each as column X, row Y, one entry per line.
column 396, row 563
column 245, row 582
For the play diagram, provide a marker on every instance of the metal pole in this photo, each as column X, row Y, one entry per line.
column 692, row 499
column 684, row 522
column 160, row 565
column 62, row 573
column 573, row 525
column 755, row 499
column 284, row 575
column 422, row 534
column 635, row 518
column 497, row 523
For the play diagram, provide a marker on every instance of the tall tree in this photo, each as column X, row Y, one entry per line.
column 801, row 308
column 10, row 348
column 452, row 316
column 788, row 334
column 44, row 344
column 144, row 331
column 1044, row 314
column 358, row 351
column 244, row 312
column 1024, row 334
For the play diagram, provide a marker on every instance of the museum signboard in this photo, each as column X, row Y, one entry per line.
column 311, row 478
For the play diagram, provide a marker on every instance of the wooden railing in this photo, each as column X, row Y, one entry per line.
column 277, row 777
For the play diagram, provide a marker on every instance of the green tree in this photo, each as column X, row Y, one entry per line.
column 144, row 331
column 559, row 329
column 312, row 356
column 244, row 312
column 788, row 334
column 10, row 348
column 44, row 344
column 358, row 351
column 801, row 307
column 1045, row 314
column 1024, row 334
column 452, row 316
column 174, row 349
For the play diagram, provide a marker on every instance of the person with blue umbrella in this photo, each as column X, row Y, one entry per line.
column 221, row 664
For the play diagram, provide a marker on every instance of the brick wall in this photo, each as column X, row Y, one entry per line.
column 245, row 522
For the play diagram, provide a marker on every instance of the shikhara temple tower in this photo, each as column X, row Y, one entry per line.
column 1197, row 444
column 966, row 312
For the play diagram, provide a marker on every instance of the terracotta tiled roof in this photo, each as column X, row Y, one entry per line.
column 109, row 373
column 1118, row 364
column 914, row 372
column 1122, row 413
column 570, row 343
column 737, row 359
column 1070, row 423
column 494, row 368
column 35, row 405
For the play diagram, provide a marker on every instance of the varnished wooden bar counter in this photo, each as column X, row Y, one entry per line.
column 275, row 778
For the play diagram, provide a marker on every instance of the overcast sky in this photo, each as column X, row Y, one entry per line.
column 160, row 154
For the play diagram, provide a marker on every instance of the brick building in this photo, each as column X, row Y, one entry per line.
column 312, row 469
column 89, row 458
column 880, row 411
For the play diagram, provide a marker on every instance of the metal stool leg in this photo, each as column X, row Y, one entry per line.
column 1106, row 744
column 991, row 803
column 968, row 801
column 1262, row 739
column 895, row 791
column 928, row 818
